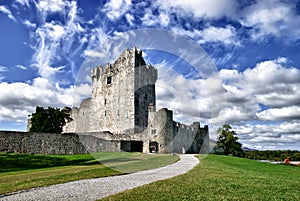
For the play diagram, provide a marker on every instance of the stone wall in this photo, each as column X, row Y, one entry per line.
column 54, row 143
column 174, row 137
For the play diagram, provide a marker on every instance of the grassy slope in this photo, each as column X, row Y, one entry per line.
column 224, row 178
column 24, row 171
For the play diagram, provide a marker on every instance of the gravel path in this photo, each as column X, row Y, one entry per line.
column 93, row 189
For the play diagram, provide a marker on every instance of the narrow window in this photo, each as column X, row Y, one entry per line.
column 108, row 80
column 105, row 113
column 153, row 131
column 105, row 101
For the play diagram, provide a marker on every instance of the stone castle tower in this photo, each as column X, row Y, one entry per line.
column 121, row 93
column 122, row 112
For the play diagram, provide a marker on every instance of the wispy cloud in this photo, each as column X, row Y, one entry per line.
column 29, row 24
column 3, row 69
column 272, row 17
column 213, row 9
column 6, row 11
column 55, row 40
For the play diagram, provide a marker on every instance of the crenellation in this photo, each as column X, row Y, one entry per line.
column 122, row 110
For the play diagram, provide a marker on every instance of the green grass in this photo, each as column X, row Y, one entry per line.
column 224, row 178
column 25, row 171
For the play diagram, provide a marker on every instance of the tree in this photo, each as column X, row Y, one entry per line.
column 227, row 143
column 49, row 120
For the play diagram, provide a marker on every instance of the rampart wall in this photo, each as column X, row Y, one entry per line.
column 54, row 143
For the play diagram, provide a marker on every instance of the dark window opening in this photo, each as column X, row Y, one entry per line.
column 132, row 146
column 105, row 101
column 109, row 80
column 153, row 147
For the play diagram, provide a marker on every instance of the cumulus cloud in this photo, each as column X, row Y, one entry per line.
column 51, row 5
column 190, row 99
column 269, row 83
column 270, row 136
column 117, row 8
column 268, row 92
column 284, row 113
column 20, row 99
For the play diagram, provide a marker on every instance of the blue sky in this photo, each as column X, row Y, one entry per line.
column 219, row 60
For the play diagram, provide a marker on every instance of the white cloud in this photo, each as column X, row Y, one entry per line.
column 117, row 8
column 23, row 2
column 190, row 99
column 3, row 69
column 164, row 19
column 29, row 24
column 21, row 67
column 129, row 18
column 91, row 53
column 211, row 34
column 6, row 11
column 55, row 40
column 269, row 83
column 229, row 74
column 20, row 99
column 284, row 113
column 273, row 136
column 149, row 19
column 51, row 5
column 53, row 31
column 276, row 87
column 225, row 35
column 213, row 9
column 272, row 17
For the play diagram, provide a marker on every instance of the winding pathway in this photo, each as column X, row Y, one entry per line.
column 93, row 189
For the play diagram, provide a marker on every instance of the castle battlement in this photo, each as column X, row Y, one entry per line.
column 123, row 103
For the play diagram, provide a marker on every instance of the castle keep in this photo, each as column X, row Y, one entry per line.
column 122, row 111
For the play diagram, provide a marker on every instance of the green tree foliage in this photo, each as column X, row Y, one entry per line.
column 49, row 120
column 273, row 155
column 227, row 143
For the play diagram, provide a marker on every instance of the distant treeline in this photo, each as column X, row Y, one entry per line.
column 276, row 155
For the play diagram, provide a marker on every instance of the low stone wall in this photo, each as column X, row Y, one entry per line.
column 53, row 143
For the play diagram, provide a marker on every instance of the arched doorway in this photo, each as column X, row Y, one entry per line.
column 153, row 147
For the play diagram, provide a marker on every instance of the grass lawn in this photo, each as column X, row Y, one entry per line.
column 25, row 171
column 224, row 178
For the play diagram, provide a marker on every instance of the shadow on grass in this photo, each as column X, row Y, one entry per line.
column 118, row 160
column 17, row 162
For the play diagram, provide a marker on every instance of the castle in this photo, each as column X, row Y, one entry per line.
column 122, row 111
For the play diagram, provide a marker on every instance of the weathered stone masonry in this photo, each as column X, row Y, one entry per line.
column 53, row 143
column 120, row 116
column 123, row 103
